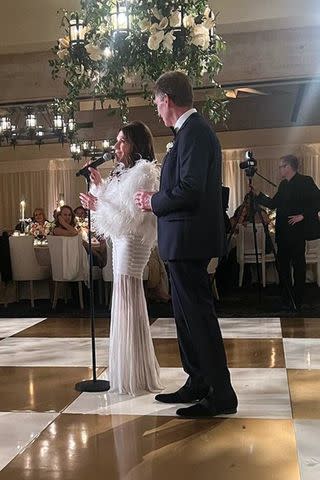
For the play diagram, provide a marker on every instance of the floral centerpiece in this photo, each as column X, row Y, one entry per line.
column 132, row 43
column 40, row 230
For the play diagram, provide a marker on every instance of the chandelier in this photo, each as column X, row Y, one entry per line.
column 34, row 124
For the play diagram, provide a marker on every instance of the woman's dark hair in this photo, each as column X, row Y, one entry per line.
column 73, row 222
column 140, row 139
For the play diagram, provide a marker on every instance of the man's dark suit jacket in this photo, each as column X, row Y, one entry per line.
column 298, row 196
column 189, row 203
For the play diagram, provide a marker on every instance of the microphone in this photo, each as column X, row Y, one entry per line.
column 109, row 155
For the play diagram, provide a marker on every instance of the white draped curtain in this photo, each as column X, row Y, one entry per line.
column 41, row 182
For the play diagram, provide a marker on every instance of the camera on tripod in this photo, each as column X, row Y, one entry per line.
column 249, row 164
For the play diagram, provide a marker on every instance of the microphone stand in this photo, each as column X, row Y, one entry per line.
column 93, row 385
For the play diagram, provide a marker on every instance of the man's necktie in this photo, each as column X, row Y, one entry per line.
column 174, row 131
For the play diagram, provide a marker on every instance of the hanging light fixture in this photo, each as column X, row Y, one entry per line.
column 77, row 33
column 87, row 149
column 35, row 124
column 120, row 18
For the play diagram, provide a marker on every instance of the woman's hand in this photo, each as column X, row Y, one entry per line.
column 62, row 221
column 95, row 176
column 88, row 201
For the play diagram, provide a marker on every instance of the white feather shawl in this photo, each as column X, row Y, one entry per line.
column 116, row 214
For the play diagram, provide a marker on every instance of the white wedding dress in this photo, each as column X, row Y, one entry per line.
column 133, row 367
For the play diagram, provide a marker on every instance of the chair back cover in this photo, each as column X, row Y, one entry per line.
column 69, row 262
column 24, row 263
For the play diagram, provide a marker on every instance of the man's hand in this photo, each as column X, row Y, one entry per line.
column 293, row 219
column 143, row 200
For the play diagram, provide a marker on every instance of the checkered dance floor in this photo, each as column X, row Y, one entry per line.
column 49, row 431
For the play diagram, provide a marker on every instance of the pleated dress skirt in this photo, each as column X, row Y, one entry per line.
column 133, row 367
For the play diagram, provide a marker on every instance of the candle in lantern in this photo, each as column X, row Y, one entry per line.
column 61, row 201
column 22, row 208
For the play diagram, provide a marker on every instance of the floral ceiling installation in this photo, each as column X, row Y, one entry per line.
column 131, row 43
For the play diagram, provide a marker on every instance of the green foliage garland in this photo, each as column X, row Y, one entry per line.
column 163, row 35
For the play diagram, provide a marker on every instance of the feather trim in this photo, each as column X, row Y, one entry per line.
column 116, row 214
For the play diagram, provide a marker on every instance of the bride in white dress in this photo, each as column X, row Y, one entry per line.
column 133, row 367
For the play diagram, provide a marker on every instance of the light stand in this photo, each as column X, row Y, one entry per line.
column 93, row 385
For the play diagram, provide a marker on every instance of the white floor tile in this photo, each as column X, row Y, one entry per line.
column 262, row 394
column 308, row 446
column 250, row 327
column 164, row 328
column 17, row 430
column 230, row 327
column 11, row 326
column 302, row 353
column 45, row 352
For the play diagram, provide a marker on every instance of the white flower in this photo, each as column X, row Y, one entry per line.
column 168, row 41
column 175, row 19
column 200, row 37
column 103, row 28
column 94, row 52
column 163, row 24
column 157, row 13
column 209, row 23
column 154, row 28
column 188, row 21
column 64, row 42
column 80, row 70
column 169, row 146
column 144, row 24
column 155, row 39
column 63, row 53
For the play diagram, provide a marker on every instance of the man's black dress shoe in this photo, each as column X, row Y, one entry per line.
column 210, row 406
column 183, row 395
column 205, row 409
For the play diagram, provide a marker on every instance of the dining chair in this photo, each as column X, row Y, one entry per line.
column 24, row 264
column 246, row 250
column 69, row 263
column 313, row 256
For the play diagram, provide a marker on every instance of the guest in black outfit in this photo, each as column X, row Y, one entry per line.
column 190, row 232
column 297, row 202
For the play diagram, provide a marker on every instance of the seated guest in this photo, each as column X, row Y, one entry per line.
column 65, row 223
column 80, row 212
column 242, row 215
column 39, row 216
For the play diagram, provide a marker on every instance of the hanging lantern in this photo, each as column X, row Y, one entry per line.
column 76, row 31
column 120, row 17
column 31, row 121
column 71, row 125
column 5, row 125
column 75, row 150
column 105, row 145
column 58, row 122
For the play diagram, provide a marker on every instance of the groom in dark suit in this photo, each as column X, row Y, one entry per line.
column 190, row 232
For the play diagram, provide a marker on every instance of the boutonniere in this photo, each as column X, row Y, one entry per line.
column 169, row 146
